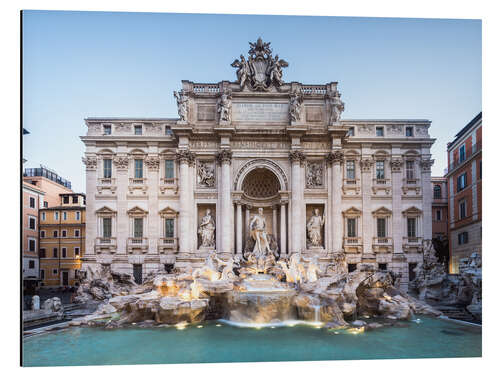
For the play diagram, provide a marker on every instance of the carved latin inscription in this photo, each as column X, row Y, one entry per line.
column 260, row 112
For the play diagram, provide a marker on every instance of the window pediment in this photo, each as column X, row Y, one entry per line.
column 168, row 212
column 352, row 212
column 382, row 212
column 412, row 211
column 105, row 211
column 137, row 211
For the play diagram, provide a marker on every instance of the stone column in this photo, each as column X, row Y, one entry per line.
column 336, row 159
column 366, row 192
column 425, row 166
column 239, row 227
column 275, row 221
column 224, row 159
column 91, row 229
column 398, row 224
column 185, row 158
column 283, row 228
column 297, row 158
column 247, row 222
column 154, row 221
column 121, row 163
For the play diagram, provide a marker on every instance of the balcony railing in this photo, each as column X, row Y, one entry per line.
column 468, row 155
column 106, row 241
column 137, row 243
column 382, row 241
column 413, row 241
column 106, row 181
column 137, row 181
column 351, row 181
column 168, row 181
column 381, row 181
column 411, row 181
column 167, row 243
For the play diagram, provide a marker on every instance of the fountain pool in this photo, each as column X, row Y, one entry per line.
column 219, row 342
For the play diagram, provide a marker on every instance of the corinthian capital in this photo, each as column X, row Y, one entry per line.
column 224, row 156
column 185, row 156
column 426, row 164
column 121, row 162
column 297, row 156
column 335, row 157
column 396, row 164
column 90, row 163
column 366, row 164
column 152, row 162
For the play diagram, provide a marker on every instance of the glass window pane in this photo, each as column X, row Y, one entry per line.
column 169, row 169
column 351, row 175
column 412, row 227
column 107, row 168
column 169, row 228
column 351, row 227
column 138, row 227
column 380, row 170
column 381, row 227
column 138, row 168
column 106, row 227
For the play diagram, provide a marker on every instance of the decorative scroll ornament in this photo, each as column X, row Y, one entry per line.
column 90, row 163
column 261, row 70
column 337, row 107
column 295, row 107
column 224, row 156
column 396, row 164
column 206, row 174
column 182, row 105
column 335, row 157
column 153, row 163
column 224, row 107
column 426, row 165
column 314, row 175
column 366, row 164
column 297, row 156
column 185, row 156
column 121, row 162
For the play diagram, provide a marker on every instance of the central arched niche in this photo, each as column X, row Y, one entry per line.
column 261, row 183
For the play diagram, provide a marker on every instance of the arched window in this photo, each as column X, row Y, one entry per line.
column 437, row 191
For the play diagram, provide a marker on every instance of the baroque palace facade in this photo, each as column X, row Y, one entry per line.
column 165, row 192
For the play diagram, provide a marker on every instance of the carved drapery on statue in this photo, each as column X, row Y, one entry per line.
column 261, row 70
column 314, row 229
column 224, row 107
column 206, row 174
column 206, row 230
column 337, row 107
column 182, row 105
column 314, row 177
column 295, row 108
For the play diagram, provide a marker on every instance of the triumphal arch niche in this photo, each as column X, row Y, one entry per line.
column 258, row 155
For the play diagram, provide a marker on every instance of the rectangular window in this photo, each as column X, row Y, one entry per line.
column 77, row 251
column 410, row 170
column 31, row 264
column 56, row 216
column 77, row 233
column 64, row 252
column 107, row 129
column 42, row 234
column 42, row 274
column 32, row 244
column 351, row 227
column 138, row 129
column 380, row 131
column 461, row 153
column 381, row 228
column 138, row 233
column 54, row 234
column 106, row 227
column 42, row 253
column 77, row 215
column 463, row 238
column 462, row 209
column 351, row 267
column 63, row 233
column 32, row 202
column 138, row 168
column 65, row 215
column 409, row 131
column 43, row 215
column 75, row 199
column 54, row 271
column 382, row 266
column 412, row 227
column 45, row 205
column 54, row 252
column 438, row 215
column 106, row 167
column 66, row 199
column 462, row 182
column 169, row 169
column 350, row 170
column 32, row 223
column 350, row 132
column 380, row 170
column 169, row 228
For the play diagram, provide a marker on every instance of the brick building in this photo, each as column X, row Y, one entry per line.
column 464, row 175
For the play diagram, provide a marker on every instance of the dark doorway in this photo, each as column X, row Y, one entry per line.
column 138, row 273
column 351, row 267
column 65, row 278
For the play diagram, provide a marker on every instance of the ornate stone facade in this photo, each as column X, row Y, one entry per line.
column 258, row 146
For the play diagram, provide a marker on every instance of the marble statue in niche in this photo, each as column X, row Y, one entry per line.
column 314, row 175
column 224, row 107
column 337, row 108
column 295, row 107
column 259, row 234
column 206, row 174
column 314, row 226
column 206, row 230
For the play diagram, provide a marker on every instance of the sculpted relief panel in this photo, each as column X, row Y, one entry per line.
column 314, row 177
column 206, row 174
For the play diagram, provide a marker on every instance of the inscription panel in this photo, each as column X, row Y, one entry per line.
column 260, row 112
column 206, row 113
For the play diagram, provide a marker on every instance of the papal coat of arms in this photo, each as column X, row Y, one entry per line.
column 261, row 70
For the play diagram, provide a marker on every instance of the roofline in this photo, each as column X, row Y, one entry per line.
column 124, row 118
column 465, row 129
column 32, row 187
column 82, row 194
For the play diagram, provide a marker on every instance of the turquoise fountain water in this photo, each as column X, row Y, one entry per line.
column 217, row 342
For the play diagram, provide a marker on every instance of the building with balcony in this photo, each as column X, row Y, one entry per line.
column 62, row 240
column 464, row 177
column 238, row 147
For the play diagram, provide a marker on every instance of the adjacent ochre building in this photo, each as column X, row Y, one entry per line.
column 465, row 177
column 62, row 241
column 256, row 143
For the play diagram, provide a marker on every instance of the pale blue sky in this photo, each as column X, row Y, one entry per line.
column 90, row 64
